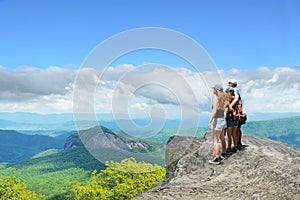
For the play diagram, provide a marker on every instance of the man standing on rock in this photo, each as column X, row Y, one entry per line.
column 236, row 106
column 231, row 122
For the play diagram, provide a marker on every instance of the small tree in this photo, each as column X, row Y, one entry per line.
column 124, row 180
column 12, row 188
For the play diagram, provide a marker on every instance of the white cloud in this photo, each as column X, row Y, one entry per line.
column 140, row 106
column 266, row 90
column 179, row 91
column 29, row 83
column 273, row 79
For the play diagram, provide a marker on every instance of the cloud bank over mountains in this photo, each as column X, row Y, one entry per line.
column 141, row 90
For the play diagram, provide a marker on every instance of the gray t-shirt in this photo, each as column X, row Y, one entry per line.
column 220, row 113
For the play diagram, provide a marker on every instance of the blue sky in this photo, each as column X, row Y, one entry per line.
column 44, row 42
column 237, row 34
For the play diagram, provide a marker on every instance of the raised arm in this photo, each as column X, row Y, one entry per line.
column 235, row 100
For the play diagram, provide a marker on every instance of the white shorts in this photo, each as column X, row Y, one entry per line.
column 218, row 124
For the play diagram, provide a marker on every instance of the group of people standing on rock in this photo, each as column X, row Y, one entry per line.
column 226, row 118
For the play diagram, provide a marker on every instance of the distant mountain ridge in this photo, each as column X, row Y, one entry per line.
column 285, row 130
column 48, row 123
column 15, row 146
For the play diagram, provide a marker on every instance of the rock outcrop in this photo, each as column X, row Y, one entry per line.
column 101, row 138
column 266, row 169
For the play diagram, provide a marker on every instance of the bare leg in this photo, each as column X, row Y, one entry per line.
column 239, row 141
column 223, row 142
column 235, row 136
column 216, row 136
column 229, row 137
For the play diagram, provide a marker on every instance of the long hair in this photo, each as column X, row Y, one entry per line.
column 221, row 100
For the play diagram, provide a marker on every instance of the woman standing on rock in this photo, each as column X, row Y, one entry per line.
column 217, row 122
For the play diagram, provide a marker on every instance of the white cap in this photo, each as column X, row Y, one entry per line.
column 234, row 81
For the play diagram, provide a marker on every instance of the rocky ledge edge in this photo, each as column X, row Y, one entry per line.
column 266, row 169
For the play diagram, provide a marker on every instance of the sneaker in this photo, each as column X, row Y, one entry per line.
column 240, row 146
column 224, row 156
column 215, row 161
column 234, row 149
column 228, row 150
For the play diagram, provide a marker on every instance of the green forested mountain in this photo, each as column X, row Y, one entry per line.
column 15, row 146
column 52, row 171
column 286, row 130
column 53, row 175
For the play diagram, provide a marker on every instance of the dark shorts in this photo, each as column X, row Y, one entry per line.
column 231, row 123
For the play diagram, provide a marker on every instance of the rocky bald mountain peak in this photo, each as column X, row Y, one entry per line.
column 103, row 138
column 266, row 169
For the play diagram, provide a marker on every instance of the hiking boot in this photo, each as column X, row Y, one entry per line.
column 215, row 161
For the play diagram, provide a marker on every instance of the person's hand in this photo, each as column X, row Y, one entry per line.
column 208, row 126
